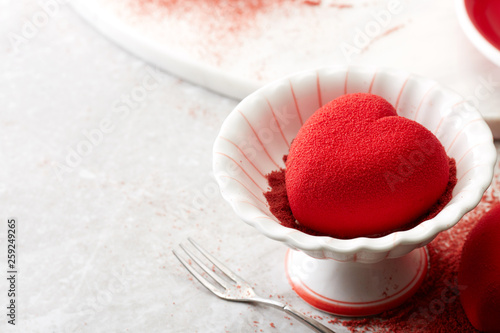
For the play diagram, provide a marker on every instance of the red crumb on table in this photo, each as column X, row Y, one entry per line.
column 340, row 6
column 272, row 325
column 318, row 2
column 382, row 35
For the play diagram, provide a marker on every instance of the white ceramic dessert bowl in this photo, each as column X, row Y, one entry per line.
column 256, row 135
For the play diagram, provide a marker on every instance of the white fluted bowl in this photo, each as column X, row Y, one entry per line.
column 256, row 135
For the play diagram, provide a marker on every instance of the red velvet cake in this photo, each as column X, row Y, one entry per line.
column 479, row 273
column 356, row 168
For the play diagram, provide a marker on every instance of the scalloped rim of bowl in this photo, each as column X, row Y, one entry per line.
column 319, row 246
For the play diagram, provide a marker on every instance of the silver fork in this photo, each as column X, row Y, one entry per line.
column 234, row 288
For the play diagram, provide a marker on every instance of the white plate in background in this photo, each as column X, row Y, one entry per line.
column 422, row 37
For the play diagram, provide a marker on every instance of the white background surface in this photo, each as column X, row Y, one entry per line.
column 95, row 237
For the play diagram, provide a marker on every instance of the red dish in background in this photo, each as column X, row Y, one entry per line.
column 480, row 20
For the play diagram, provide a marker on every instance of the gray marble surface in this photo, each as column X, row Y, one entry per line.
column 106, row 164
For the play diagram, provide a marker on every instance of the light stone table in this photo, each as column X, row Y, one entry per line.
column 105, row 162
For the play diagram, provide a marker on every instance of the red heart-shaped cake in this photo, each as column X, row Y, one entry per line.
column 479, row 273
column 356, row 168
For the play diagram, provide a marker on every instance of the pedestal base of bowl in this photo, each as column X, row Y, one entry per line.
column 356, row 289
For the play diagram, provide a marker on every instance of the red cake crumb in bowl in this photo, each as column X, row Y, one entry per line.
column 356, row 169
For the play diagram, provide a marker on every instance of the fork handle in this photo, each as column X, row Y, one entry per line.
column 308, row 321
column 311, row 323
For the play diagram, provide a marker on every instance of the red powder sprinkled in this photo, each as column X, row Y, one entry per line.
column 223, row 15
column 278, row 202
column 318, row 2
column 215, row 28
column 382, row 35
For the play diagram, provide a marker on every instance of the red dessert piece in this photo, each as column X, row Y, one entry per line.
column 479, row 273
column 356, row 168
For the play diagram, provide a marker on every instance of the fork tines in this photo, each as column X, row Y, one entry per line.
column 223, row 282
